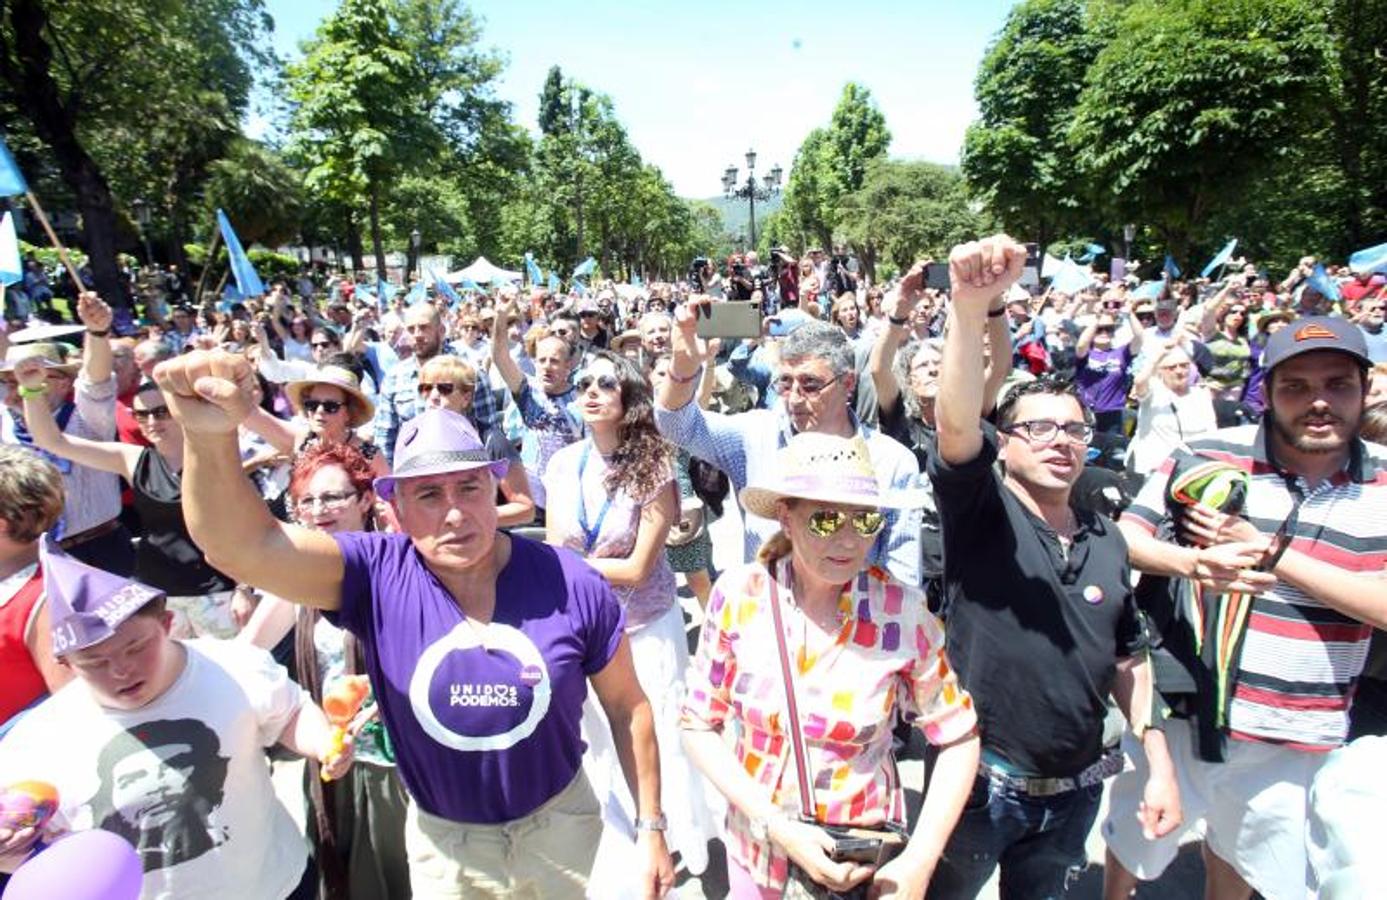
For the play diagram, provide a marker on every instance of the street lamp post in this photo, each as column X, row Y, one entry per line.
column 1129, row 234
column 751, row 191
column 414, row 241
column 142, row 217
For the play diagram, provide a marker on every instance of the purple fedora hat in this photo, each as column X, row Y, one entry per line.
column 434, row 442
column 85, row 604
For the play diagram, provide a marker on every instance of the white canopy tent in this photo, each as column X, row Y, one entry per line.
column 482, row 271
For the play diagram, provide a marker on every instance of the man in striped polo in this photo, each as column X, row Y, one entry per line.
column 1309, row 550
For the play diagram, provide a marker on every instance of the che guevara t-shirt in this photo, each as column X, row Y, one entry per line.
column 485, row 719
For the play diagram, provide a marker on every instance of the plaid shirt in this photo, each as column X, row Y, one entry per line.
column 398, row 402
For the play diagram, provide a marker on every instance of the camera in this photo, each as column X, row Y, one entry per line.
column 696, row 273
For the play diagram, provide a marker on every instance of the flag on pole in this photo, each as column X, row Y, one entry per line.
column 468, row 284
column 1327, row 287
column 387, row 291
column 247, row 281
column 445, row 289
column 1092, row 252
column 585, row 268
column 1148, row 290
column 1072, row 278
column 1220, row 258
column 417, row 294
column 579, row 289
column 1369, row 260
column 11, row 179
column 532, row 269
column 11, row 268
column 1170, row 269
column 554, row 284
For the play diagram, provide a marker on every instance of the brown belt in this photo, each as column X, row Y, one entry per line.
column 82, row 537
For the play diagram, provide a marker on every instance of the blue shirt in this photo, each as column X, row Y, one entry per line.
column 398, row 402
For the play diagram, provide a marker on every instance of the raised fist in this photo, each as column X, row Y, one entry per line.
column 208, row 391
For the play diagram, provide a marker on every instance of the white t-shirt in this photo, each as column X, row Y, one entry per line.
column 1166, row 420
column 184, row 779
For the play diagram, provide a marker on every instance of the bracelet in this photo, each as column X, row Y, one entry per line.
column 28, row 392
column 103, row 333
column 694, row 377
column 895, row 321
column 997, row 313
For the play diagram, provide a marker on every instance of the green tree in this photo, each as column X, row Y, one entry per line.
column 131, row 93
column 1015, row 157
column 832, row 162
column 259, row 192
column 1193, row 102
column 905, row 211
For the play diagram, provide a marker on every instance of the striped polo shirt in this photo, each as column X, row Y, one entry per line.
column 1300, row 658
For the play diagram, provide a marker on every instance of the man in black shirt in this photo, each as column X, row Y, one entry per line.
column 1041, row 623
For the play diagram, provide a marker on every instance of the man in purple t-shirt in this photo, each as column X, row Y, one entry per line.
column 1102, row 370
column 479, row 645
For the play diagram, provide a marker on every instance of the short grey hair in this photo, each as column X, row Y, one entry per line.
column 820, row 340
column 652, row 316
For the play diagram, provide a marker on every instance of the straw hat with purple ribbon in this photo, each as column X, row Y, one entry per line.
column 359, row 406
column 435, row 442
column 829, row 469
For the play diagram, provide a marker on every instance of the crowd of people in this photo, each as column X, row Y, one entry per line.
column 435, row 546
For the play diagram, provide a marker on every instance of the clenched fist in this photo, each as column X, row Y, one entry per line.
column 208, row 391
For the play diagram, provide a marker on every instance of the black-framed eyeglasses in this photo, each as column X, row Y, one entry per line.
column 1146, row 318
column 328, row 500
column 808, row 387
column 330, row 407
column 603, row 382
column 828, row 522
column 1043, row 431
column 154, row 413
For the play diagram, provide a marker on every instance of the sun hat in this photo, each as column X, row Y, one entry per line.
column 359, row 406
column 54, row 356
column 828, row 468
column 434, row 442
column 1316, row 333
column 1271, row 318
column 630, row 336
column 86, row 604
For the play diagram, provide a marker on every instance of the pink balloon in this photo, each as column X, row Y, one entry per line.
column 88, row 865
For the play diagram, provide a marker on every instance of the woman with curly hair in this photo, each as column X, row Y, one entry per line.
column 612, row 498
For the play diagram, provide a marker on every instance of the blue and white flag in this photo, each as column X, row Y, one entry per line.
column 11, row 179
column 1170, row 269
column 1092, row 252
column 532, row 269
column 1369, row 260
column 417, row 294
column 585, row 268
column 554, row 283
column 468, row 284
column 579, row 289
column 247, row 281
column 387, row 291
column 11, row 266
column 1148, row 290
column 445, row 289
column 1220, row 258
column 1327, row 287
column 1072, row 278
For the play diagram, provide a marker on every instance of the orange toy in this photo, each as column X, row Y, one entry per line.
column 341, row 704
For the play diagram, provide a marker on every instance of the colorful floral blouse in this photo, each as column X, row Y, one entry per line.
column 888, row 654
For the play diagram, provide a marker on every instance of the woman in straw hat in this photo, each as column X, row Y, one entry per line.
column 329, row 406
column 612, row 499
column 481, row 646
column 861, row 648
column 200, row 596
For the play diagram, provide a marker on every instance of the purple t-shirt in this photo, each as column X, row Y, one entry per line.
column 485, row 720
column 1102, row 378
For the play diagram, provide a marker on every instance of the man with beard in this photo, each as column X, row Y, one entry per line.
column 399, row 400
column 1293, row 587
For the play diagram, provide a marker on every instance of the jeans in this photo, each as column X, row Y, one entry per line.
column 1039, row 842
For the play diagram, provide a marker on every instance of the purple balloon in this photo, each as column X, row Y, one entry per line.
column 89, row 865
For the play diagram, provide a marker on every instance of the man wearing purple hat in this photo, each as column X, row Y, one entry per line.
column 1296, row 582
column 162, row 742
column 479, row 646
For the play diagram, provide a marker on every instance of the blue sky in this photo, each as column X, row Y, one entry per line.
column 696, row 84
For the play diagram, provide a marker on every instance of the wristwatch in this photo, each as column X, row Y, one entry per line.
column 659, row 823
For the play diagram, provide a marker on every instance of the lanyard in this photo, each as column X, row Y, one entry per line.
column 589, row 534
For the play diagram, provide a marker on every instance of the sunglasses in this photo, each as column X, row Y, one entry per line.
column 320, row 345
column 443, row 387
column 587, row 315
column 154, row 413
column 603, row 382
column 331, row 407
column 828, row 522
